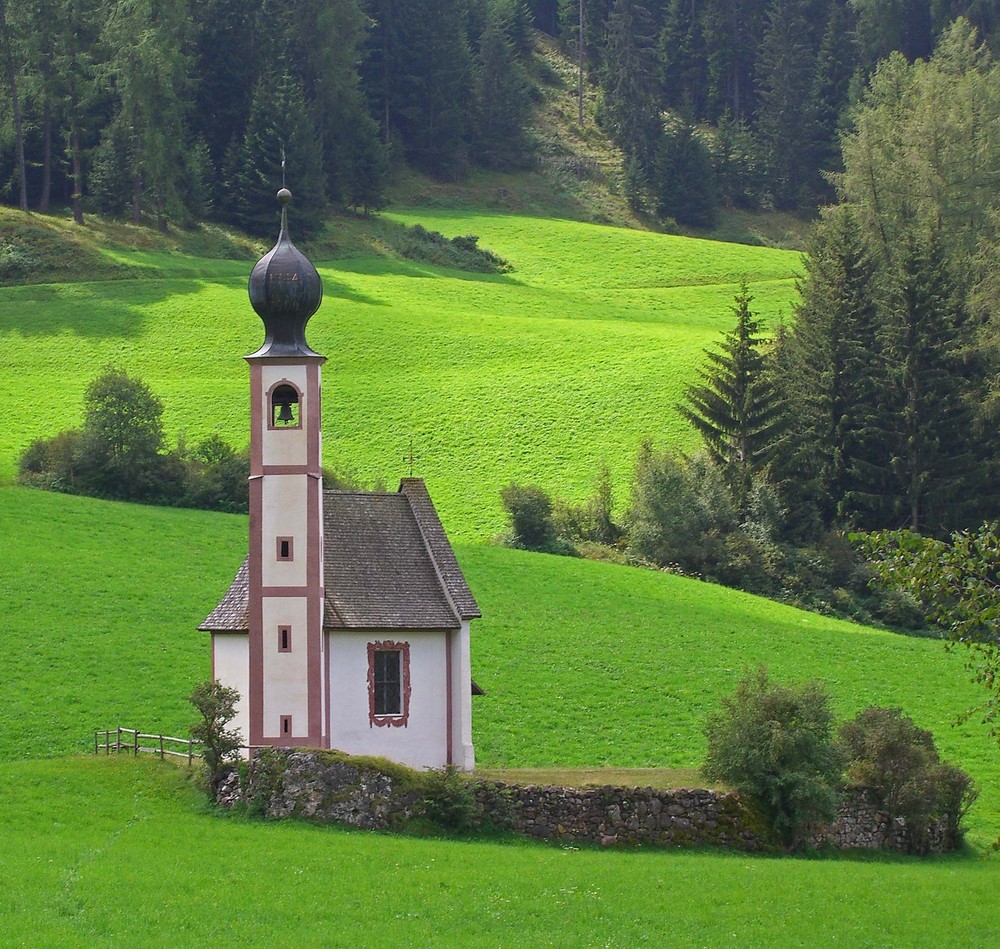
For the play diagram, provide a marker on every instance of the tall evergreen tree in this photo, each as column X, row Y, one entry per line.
column 150, row 74
column 502, row 103
column 933, row 463
column 683, row 177
column 785, row 68
column 280, row 127
column 834, row 377
column 628, row 107
column 736, row 408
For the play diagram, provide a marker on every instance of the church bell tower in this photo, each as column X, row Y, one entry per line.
column 285, row 566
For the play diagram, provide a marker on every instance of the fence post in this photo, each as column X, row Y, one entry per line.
column 135, row 744
column 118, row 741
column 161, row 747
column 96, row 746
column 190, row 751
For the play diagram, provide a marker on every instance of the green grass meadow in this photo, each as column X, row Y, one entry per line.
column 538, row 376
column 584, row 664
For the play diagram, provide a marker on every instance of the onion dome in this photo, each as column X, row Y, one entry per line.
column 285, row 290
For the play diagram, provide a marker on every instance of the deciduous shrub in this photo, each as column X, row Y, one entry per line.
column 530, row 512
column 888, row 753
column 775, row 744
column 220, row 745
column 450, row 800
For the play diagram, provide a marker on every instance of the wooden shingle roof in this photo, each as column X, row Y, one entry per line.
column 387, row 565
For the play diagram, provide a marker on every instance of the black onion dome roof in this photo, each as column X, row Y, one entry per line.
column 285, row 290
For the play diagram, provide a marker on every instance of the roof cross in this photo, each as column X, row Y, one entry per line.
column 410, row 457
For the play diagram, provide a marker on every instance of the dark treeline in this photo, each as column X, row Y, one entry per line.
column 170, row 110
column 740, row 102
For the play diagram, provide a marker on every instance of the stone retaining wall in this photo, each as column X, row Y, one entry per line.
column 613, row 815
column 327, row 786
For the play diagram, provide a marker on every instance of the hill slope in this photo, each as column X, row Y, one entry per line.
column 583, row 663
column 537, row 375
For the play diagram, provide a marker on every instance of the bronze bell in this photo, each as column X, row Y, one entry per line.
column 285, row 413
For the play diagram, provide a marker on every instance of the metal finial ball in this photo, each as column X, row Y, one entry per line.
column 284, row 196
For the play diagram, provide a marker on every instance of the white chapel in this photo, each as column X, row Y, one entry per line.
column 347, row 626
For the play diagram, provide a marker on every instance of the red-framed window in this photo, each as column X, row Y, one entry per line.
column 284, row 549
column 388, row 684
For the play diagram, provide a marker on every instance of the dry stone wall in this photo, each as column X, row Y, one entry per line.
column 327, row 786
column 630, row 816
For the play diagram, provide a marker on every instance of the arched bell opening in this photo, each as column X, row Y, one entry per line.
column 285, row 407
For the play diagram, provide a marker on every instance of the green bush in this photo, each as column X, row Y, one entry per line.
column 892, row 756
column 774, row 743
column 220, row 745
column 450, row 800
column 532, row 526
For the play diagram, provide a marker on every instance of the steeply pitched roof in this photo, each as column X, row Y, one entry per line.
column 387, row 565
column 233, row 609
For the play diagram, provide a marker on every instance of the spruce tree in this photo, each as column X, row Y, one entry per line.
column 502, row 103
column 683, row 178
column 628, row 108
column 736, row 407
column 785, row 67
column 279, row 125
column 833, row 377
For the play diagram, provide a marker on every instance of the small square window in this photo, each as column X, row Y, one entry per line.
column 284, row 548
column 284, row 639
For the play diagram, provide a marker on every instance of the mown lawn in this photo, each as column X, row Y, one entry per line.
column 108, row 852
column 535, row 376
column 584, row 664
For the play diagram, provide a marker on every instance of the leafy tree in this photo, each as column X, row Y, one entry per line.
column 216, row 704
column 121, row 438
column 679, row 513
column 955, row 583
column 736, row 408
column 775, row 743
column 889, row 754
column 530, row 511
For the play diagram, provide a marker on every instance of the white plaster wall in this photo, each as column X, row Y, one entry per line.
column 462, row 753
column 283, row 514
column 423, row 742
column 285, row 686
column 284, row 446
column 231, row 662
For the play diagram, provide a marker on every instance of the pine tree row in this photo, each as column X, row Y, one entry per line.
column 175, row 111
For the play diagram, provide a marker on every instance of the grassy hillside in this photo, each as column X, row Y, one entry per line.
column 92, row 883
column 583, row 663
column 537, row 375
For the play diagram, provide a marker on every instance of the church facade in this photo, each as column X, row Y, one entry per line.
column 348, row 624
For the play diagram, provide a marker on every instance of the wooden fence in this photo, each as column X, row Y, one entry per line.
column 131, row 741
